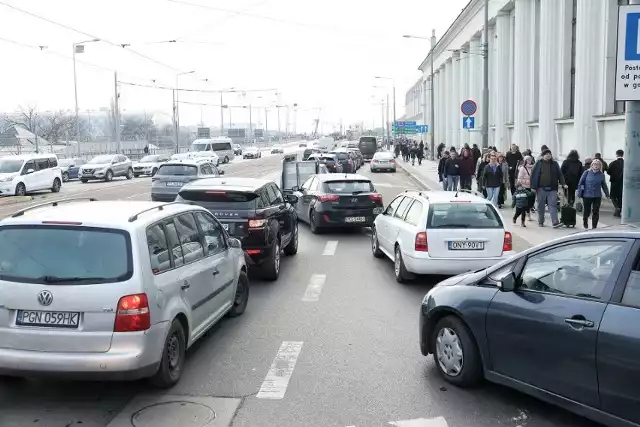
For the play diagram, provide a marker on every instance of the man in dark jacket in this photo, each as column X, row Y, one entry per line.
column 476, row 153
column 442, row 176
column 615, row 171
column 467, row 169
column 546, row 177
column 452, row 171
column 513, row 158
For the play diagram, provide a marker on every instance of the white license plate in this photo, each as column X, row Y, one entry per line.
column 377, row 211
column 225, row 226
column 468, row 245
column 355, row 219
column 174, row 184
column 51, row 319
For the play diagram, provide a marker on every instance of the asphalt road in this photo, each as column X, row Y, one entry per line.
column 351, row 355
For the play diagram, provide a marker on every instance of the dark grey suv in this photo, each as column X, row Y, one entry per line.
column 560, row 321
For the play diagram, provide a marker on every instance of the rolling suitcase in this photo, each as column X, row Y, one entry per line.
column 567, row 212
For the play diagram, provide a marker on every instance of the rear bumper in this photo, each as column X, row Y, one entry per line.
column 132, row 356
column 424, row 264
column 163, row 197
column 381, row 167
column 338, row 219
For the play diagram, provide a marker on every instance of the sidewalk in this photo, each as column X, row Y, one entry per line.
column 427, row 175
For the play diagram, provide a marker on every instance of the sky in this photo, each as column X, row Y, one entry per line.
column 322, row 55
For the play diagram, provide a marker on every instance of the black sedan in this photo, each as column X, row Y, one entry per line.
column 338, row 201
column 558, row 321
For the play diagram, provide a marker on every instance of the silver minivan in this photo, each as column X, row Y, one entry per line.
column 171, row 176
column 222, row 146
column 115, row 290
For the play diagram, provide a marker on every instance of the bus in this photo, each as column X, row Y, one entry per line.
column 368, row 145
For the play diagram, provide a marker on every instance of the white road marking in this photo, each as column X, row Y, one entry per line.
column 276, row 382
column 330, row 248
column 421, row 422
column 382, row 184
column 314, row 288
column 138, row 195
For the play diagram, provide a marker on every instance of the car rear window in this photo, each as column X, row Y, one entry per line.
column 220, row 198
column 463, row 215
column 64, row 255
column 342, row 156
column 350, row 186
column 177, row 170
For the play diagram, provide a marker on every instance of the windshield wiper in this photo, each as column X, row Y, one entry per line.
column 56, row 279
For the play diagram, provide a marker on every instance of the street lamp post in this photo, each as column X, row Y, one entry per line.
column 78, row 48
column 393, row 81
column 176, row 109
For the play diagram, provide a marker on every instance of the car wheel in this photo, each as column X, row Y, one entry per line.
column 172, row 360
column 226, row 159
column 130, row 174
column 154, row 171
column 398, row 266
column 312, row 223
column 292, row 247
column 136, row 175
column 65, row 176
column 21, row 190
column 55, row 188
column 109, row 176
column 456, row 352
column 241, row 298
column 271, row 269
column 375, row 245
column 84, row 181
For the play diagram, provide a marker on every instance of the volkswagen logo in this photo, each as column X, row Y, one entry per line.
column 45, row 298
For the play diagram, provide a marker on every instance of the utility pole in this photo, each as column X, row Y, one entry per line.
column 279, row 133
column 221, row 116
column 116, row 107
column 394, row 101
column 266, row 124
column 175, row 121
column 250, row 124
column 388, row 124
column 485, row 89
column 432, row 139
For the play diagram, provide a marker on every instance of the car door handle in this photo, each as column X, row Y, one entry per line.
column 186, row 285
column 580, row 322
column 216, row 271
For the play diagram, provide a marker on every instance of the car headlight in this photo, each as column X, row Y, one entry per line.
column 6, row 179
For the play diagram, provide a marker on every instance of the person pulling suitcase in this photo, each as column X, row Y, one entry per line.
column 567, row 212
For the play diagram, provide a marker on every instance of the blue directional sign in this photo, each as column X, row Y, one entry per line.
column 469, row 107
column 628, row 54
column 631, row 37
column 468, row 123
column 404, row 124
column 422, row 128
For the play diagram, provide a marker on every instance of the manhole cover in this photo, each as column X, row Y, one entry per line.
column 172, row 414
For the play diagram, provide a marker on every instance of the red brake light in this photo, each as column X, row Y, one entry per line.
column 133, row 314
column 376, row 197
column 257, row 223
column 374, row 161
column 507, row 245
column 328, row 197
column 421, row 242
column 393, row 160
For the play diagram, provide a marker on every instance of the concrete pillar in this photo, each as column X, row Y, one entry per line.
column 448, row 72
column 463, row 93
column 475, row 87
column 437, row 129
column 589, row 72
column 493, row 83
column 502, row 89
column 455, row 100
column 512, row 69
column 524, row 71
column 442, row 106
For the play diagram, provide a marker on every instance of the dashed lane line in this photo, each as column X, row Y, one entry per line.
column 316, row 282
column 276, row 382
column 330, row 248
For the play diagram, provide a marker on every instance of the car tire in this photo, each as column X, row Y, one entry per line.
column 271, row 269
column 129, row 173
column 313, row 226
column 241, row 298
column 108, row 177
column 455, row 337
column 84, row 181
column 375, row 244
column 399, row 270
column 226, row 159
column 55, row 188
column 21, row 190
column 172, row 360
column 136, row 175
column 65, row 176
column 154, row 171
column 292, row 247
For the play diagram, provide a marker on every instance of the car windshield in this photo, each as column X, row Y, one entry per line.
column 349, row 186
column 64, row 254
column 10, row 165
column 149, row 159
column 200, row 147
column 341, row 155
column 463, row 215
column 177, row 170
column 100, row 160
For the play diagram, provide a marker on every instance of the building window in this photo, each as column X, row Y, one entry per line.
column 572, row 99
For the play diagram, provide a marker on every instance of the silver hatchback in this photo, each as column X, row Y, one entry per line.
column 383, row 161
column 173, row 175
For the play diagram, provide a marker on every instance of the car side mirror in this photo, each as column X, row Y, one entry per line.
column 235, row 243
column 508, row 283
column 29, row 171
column 292, row 198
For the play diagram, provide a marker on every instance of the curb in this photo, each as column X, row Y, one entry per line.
column 13, row 200
column 416, row 178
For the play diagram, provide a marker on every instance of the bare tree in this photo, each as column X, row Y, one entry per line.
column 27, row 117
column 56, row 125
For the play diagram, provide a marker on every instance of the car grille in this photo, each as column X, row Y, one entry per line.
column 138, row 168
column 87, row 170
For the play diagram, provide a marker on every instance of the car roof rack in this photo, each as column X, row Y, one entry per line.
column 53, row 203
column 161, row 207
column 473, row 192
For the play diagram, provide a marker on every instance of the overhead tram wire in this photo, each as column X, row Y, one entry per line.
column 196, row 90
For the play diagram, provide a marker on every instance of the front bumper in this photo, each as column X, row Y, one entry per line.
column 93, row 175
column 132, row 356
column 7, row 188
column 144, row 171
column 422, row 263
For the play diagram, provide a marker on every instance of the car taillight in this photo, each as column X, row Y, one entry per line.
column 421, row 242
column 393, row 160
column 257, row 223
column 328, row 197
column 374, row 161
column 507, row 244
column 350, row 162
column 376, row 197
column 133, row 314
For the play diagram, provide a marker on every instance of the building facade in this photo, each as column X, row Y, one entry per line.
column 552, row 70
column 414, row 99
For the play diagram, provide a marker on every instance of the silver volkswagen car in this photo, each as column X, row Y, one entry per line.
column 171, row 176
column 134, row 286
column 383, row 161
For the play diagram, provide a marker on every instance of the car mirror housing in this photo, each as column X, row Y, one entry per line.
column 508, row 283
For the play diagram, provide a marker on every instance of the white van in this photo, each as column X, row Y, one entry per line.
column 30, row 172
column 222, row 146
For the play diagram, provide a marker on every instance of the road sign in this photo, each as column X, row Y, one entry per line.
column 628, row 61
column 404, row 124
column 468, row 122
column 469, row 107
column 422, row 128
column 204, row 133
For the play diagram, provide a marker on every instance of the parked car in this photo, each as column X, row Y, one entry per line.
column 277, row 150
column 106, row 167
column 69, row 168
column 252, row 153
column 149, row 165
column 25, row 173
column 173, row 175
column 557, row 321
column 114, row 290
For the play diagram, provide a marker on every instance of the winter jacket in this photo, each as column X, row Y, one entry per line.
column 441, row 164
column 467, row 166
column 572, row 170
column 538, row 180
column 524, row 176
column 522, row 198
column 480, row 174
column 505, row 173
column 513, row 159
column 592, row 184
column 452, row 167
column 616, row 170
column 492, row 178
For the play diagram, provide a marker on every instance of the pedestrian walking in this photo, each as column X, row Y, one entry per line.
column 521, row 197
column 413, row 153
column 546, row 178
column 505, row 180
column 604, row 166
column 572, row 171
column 475, row 151
column 591, row 186
column 483, row 162
column 513, row 158
column 442, row 176
column 492, row 178
column 420, row 153
column 615, row 171
column 524, row 181
column 452, row 171
column 467, row 169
